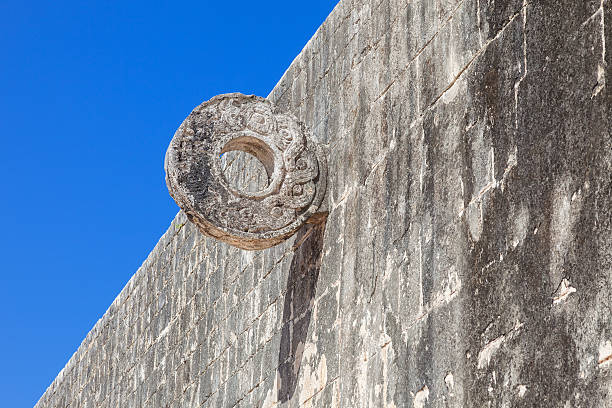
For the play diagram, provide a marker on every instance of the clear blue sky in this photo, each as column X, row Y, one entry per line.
column 91, row 93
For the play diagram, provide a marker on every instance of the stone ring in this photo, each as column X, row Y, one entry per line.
column 295, row 165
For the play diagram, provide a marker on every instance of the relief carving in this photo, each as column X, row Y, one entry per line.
column 296, row 169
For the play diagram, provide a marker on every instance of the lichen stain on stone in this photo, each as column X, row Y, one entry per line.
column 452, row 92
column 387, row 355
column 271, row 399
column 483, row 176
column 313, row 379
column 605, row 354
column 449, row 380
column 474, row 220
column 453, row 65
column 484, row 356
column 421, row 397
column 520, row 224
column 363, row 385
column 601, row 80
column 565, row 289
column 565, row 213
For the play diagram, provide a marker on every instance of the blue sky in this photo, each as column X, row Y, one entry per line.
column 90, row 96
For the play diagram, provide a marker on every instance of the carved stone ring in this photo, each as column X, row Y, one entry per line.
column 295, row 165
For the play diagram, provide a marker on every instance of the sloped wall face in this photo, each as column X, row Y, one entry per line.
column 467, row 257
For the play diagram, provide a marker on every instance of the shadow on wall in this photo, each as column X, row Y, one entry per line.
column 299, row 301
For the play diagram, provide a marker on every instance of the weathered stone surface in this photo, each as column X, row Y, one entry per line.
column 466, row 259
column 295, row 166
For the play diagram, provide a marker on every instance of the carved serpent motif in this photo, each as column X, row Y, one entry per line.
column 295, row 166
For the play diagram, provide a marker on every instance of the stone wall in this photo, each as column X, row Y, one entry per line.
column 467, row 257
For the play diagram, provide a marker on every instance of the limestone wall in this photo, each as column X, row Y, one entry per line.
column 467, row 257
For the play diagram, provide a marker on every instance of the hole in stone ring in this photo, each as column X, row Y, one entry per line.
column 247, row 164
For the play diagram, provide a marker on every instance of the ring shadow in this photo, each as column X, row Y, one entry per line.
column 299, row 302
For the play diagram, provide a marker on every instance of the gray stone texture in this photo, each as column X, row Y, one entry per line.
column 467, row 257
